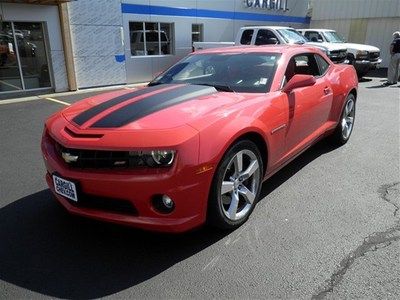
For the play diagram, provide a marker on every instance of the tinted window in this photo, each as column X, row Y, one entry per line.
column 302, row 64
column 239, row 72
column 322, row 63
column 246, row 37
column 266, row 37
column 313, row 36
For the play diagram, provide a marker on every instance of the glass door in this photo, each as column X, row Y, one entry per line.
column 32, row 54
column 23, row 57
column 10, row 75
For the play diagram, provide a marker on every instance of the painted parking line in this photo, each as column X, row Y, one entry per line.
column 55, row 100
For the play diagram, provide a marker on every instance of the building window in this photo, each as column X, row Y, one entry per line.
column 197, row 33
column 149, row 38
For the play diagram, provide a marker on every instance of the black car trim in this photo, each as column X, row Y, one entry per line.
column 151, row 104
column 95, row 110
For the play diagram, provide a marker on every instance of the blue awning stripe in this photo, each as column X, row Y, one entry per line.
column 205, row 13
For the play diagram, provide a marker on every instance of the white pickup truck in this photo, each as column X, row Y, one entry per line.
column 271, row 35
column 362, row 57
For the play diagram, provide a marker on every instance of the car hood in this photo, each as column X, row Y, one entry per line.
column 153, row 108
column 328, row 46
column 360, row 47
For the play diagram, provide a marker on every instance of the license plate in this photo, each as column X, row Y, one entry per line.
column 65, row 188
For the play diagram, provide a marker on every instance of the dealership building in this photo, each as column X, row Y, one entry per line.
column 68, row 45
column 61, row 45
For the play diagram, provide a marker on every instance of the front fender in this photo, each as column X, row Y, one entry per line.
column 219, row 137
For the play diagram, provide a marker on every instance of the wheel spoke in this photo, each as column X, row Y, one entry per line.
column 233, row 206
column 238, row 162
column 349, row 120
column 349, row 107
column 227, row 186
column 344, row 123
column 250, row 169
column 346, row 131
column 247, row 194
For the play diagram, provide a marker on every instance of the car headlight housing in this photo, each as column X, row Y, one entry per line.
column 154, row 158
column 362, row 54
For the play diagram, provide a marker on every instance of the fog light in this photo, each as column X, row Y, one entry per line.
column 167, row 201
column 163, row 204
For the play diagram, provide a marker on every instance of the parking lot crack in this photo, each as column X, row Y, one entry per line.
column 386, row 191
column 373, row 242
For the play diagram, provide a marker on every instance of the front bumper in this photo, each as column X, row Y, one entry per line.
column 367, row 64
column 187, row 187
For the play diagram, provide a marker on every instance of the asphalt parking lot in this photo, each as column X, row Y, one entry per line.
column 328, row 225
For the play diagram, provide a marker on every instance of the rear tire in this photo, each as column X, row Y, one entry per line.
column 345, row 126
column 236, row 186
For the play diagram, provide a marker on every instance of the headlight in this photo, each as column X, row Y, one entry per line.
column 362, row 54
column 155, row 158
column 163, row 157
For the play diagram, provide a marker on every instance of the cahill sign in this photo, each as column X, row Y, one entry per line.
column 267, row 4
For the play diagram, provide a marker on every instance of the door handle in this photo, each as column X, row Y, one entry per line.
column 327, row 90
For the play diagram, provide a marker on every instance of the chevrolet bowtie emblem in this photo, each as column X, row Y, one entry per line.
column 69, row 158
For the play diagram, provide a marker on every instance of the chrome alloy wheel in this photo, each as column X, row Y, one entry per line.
column 240, row 184
column 348, row 119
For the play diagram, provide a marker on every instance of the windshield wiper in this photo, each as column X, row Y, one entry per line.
column 155, row 83
column 218, row 87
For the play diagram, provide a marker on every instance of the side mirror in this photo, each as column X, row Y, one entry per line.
column 272, row 41
column 298, row 81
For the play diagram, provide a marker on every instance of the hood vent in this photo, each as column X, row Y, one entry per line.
column 82, row 135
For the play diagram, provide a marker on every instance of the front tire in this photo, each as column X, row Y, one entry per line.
column 236, row 186
column 345, row 126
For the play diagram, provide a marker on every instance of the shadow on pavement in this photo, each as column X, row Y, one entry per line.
column 376, row 86
column 295, row 166
column 45, row 250
column 364, row 79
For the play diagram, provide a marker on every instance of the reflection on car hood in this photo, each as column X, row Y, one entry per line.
column 152, row 108
column 328, row 46
column 360, row 47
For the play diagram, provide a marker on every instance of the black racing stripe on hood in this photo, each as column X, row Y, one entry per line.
column 151, row 104
column 95, row 110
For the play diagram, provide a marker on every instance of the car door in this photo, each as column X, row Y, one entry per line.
column 309, row 107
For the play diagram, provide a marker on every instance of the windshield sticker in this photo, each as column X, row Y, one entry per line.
column 263, row 80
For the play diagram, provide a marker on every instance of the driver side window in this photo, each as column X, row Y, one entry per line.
column 301, row 64
column 314, row 36
column 266, row 37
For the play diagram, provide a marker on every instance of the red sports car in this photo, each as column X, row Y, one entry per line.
column 196, row 144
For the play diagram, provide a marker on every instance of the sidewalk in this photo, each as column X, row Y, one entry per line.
column 78, row 92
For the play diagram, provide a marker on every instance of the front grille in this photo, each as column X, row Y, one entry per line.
column 97, row 159
column 374, row 56
column 338, row 56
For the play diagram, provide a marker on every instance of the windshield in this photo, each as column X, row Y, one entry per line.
column 291, row 36
column 333, row 37
column 233, row 72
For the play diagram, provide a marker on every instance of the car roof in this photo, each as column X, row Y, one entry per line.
column 316, row 29
column 267, row 27
column 257, row 49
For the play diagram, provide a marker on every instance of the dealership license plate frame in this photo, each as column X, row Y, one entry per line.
column 57, row 188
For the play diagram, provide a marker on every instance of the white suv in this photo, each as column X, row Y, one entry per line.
column 362, row 57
